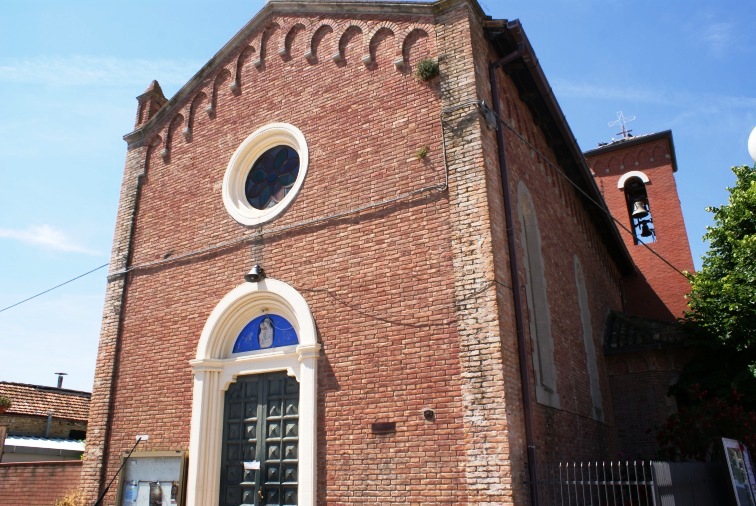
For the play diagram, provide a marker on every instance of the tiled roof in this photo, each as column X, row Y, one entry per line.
column 41, row 400
column 623, row 333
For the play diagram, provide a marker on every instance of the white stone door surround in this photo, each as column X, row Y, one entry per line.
column 215, row 368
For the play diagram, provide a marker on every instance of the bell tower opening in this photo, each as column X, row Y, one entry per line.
column 639, row 211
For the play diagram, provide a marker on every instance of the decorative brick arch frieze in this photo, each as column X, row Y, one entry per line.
column 192, row 113
column 354, row 27
column 319, row 34
column 325, row 36
column 613, row 164
column 643, row 157
column 262, row 41
column 153, row 144
column 370, row 48
column 244, row 55
column 222, row 76
column 289, row 33
column 409, row 38
column 216, row 367
column 174, row 125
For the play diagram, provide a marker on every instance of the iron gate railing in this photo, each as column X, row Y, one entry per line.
column 633, row 483
column 596, row 484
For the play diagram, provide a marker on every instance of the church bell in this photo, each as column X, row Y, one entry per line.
column 639, row 209
column 645, row 231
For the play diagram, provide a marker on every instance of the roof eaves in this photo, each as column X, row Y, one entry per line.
column 528, row 76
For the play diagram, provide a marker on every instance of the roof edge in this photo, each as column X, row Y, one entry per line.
column 515, row 35
column 634, row 141
column 46, row 388
column 401, row 8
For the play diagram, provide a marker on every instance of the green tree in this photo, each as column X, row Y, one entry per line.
column 717, row 390
column 723, row 296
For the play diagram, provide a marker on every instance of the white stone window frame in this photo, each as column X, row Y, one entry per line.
column 216, row 367
column 235, row 178
column 630, row 175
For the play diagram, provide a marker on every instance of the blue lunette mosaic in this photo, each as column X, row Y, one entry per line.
column 266, row 331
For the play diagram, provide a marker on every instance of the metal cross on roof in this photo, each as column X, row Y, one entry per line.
column 623, row 120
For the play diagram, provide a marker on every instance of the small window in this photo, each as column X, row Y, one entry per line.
column 265, row 174
column 639, row 211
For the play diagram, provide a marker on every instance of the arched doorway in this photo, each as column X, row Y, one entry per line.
column 245, row 343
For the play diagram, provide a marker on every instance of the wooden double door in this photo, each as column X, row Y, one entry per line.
column 259, row 459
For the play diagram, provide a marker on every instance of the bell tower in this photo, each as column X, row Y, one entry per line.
column 636, row 177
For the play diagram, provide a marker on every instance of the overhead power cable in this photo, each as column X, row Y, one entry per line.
column 585, row 194
column 54, row 287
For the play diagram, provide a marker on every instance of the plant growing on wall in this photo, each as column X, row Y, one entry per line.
column 5, row 403
column 73, row 498
column 427, row 69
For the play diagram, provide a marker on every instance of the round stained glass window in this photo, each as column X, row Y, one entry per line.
column 265, row 174
column 271, row 177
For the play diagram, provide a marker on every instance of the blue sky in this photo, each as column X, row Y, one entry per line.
column 70, row 72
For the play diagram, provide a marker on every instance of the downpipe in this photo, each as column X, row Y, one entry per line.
column 515, row 273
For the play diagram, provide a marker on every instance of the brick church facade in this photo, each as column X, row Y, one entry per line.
column 430, row 268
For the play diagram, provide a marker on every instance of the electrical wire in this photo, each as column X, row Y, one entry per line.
column 443, row 187
column 54, row 287
column 559, row 171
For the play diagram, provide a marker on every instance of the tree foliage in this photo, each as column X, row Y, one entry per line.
column 695, row 432
column 717, row 389
column 723, row 297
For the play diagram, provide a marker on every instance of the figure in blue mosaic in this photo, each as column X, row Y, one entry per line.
column 266, row 331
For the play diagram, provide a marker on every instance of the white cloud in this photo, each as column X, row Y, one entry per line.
column 47, row 237
column 572, row 89
column 719, row 36
column 698, row 101
column 95, row 71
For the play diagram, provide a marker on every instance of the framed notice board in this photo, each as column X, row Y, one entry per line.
column 153, row 479
column 741, row 473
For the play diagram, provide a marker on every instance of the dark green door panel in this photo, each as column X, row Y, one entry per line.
column 260, row 423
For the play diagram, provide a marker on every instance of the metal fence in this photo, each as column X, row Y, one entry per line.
column 596, row 483
column 631, row 483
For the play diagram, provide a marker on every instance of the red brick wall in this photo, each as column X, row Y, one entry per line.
column 37, row 483
column 640, row 382
column 494, row 435
column 377, row 282
column 659, row 291
column 566, row 229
